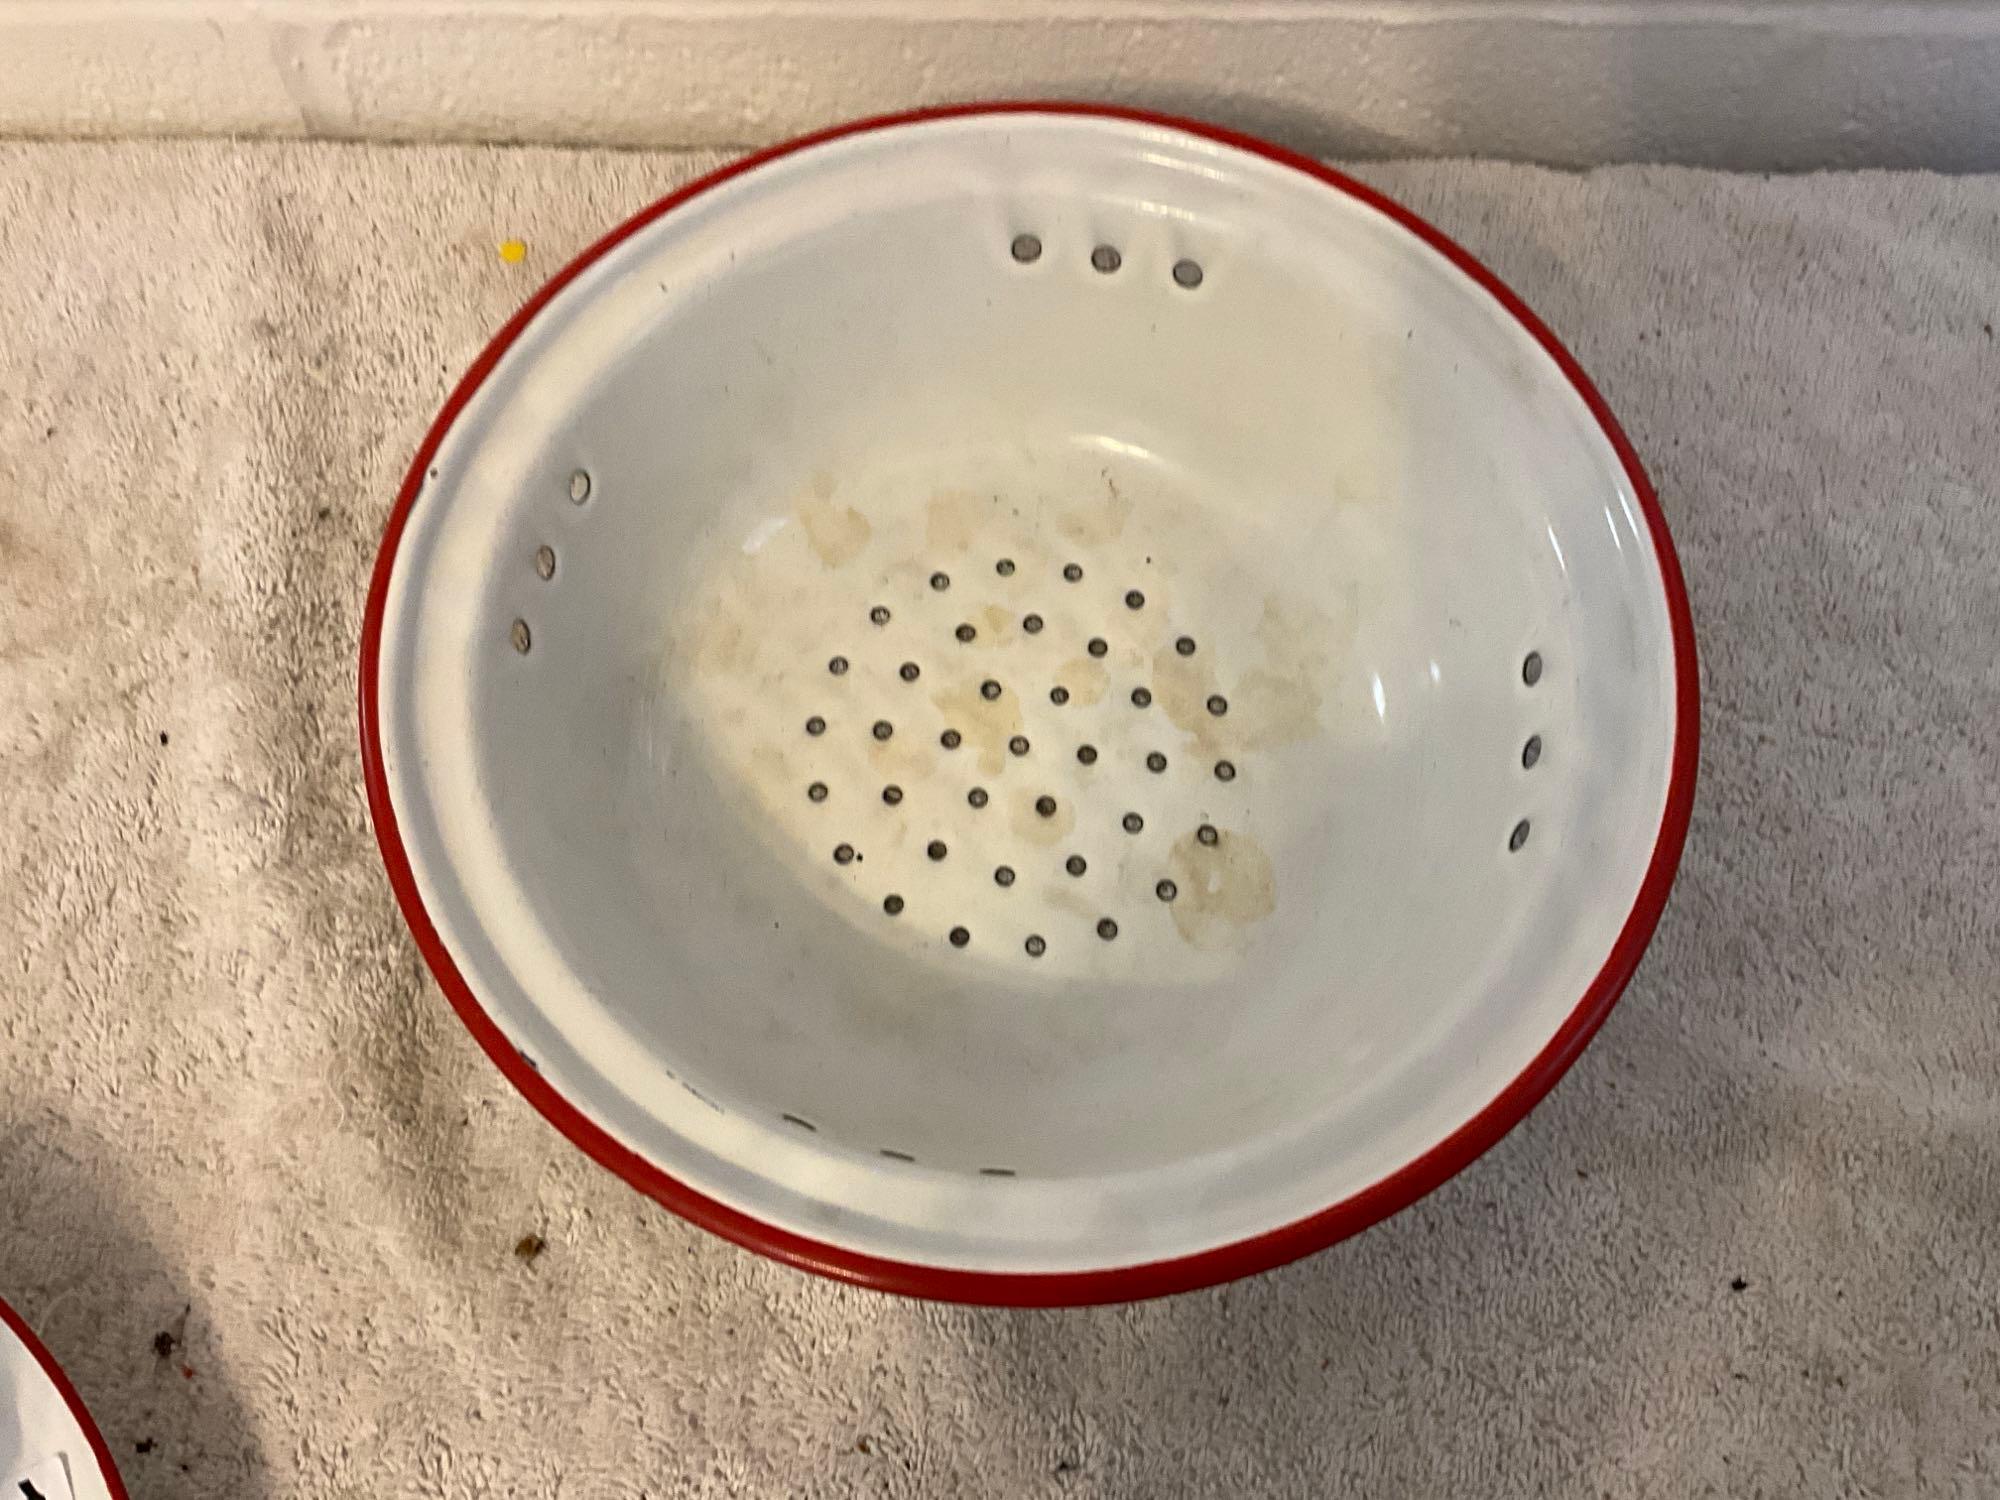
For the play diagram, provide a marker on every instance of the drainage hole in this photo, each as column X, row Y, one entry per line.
column 950, row 739
column 1531, row 752
column 892, row 794
column 1027, row 249
column 522, row 638
column 936, row 849
column 989, row 690
column 1018, row 744
column 1185, row 645
column 1036, row 945
column 1087, row 754
column 1004, row 567
column 879, row 614
column 977, row 796
column 1133, row 822
column 545, row 561
column 1073, row 572
column 1059, row 695
column 1155, row 762
column 1046, row 806
column 803, row 1124
column 1208, row 835
column 960, row 937
column 1106, row 928
column 1166, row 890
column 1531, row 668
column 883, row 729
column 837, row 666
column 893, row 905
column 579, row 487
column 1519, row 836
column 1003, row 875
column 1106, row 258
column 1075, row 864
column 909, row 671
column 1187, row 273
column 815, row 725
column 1032, row 624
column 898, row 1155
column 1098, row 646
column 1217, row 704
column 843, row 854
column 965, row 632
column 1134, row 599
column 1142, row 697
column 817, row 791
column 1225, row 770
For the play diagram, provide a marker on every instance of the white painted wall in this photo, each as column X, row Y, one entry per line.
column 1744, row 83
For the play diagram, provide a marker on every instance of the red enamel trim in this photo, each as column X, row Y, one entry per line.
column 1123, row 1283
column 77, row 1409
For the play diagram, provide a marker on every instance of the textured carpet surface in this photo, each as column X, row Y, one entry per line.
column 263, row 1196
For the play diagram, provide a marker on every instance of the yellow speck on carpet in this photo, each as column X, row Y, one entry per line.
column 513, row 251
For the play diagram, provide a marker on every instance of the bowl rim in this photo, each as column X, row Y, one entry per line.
column 1260, row 1252
column 38, row 1351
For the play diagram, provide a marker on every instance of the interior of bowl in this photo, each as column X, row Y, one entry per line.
column 1027, row 693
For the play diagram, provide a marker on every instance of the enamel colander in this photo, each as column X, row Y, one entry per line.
column 1029, row 703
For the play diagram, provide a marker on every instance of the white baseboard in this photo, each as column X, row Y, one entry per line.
column 1767, row 84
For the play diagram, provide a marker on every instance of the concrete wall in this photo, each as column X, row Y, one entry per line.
column 1750, row 83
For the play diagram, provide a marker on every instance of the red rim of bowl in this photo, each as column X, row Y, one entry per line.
column 1259, row 1252
column 77, row 1409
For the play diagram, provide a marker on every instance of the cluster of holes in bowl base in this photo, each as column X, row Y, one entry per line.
column 952, row 627
column 1106, row 260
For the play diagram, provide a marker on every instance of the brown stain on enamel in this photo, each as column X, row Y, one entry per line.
column 986, row 724
column 1222, row 889
column 1031, row 827
column 1065, row 896
column 903, row 758
column 1267, row 710
column 727, row 646
column 726, row 641
column 952, row 520
column 1300, row 639
column 1271, row 705
column 1100, row 521
column 836, row 533
column 1279, row 702
column 1181, row 685
column 1086, row 679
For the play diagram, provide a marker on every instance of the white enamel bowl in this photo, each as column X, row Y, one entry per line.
column 1029, row 704
column 49, row 1447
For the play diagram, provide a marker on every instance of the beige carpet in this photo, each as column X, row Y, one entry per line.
column 1750, row 1247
